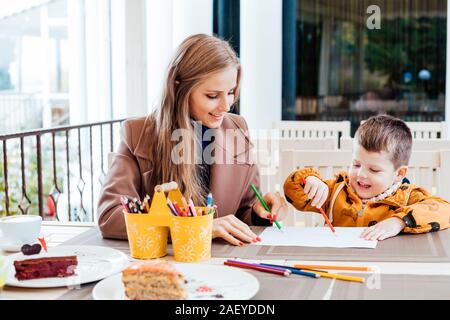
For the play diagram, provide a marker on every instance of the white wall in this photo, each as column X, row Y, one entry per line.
column 159, row 46
column 77, row 74
column 136, row 58
column 261, row 57
column 191, row 17
column 118, row 57
column 89, row 93
column 97, row 61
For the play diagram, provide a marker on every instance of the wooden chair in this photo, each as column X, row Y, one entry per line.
column 427, row 130
column 312, row 129
column 267, row 155
column 428, row 169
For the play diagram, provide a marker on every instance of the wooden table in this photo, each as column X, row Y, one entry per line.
column 406, row 267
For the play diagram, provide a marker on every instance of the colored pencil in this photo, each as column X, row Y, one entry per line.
column 132, row 207
column 172, row 208
column 178, row 209
column 305, row 266
column 339, row 276
column 293, row 270
column 185, row 206
column 209, row 203
column 259, row 268
column 327, row 220
column 192, row 208
column 124, row 204
column 264, row 204
column 147, row 203
column 281, row 268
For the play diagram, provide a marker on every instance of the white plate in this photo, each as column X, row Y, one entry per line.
column 205, row 282
column 94, row 263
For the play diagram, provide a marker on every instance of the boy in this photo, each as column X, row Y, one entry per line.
column 373, row 193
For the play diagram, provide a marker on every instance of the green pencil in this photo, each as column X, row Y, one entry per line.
column 264, row 204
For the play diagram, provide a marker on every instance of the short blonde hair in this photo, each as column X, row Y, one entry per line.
column 389, row 134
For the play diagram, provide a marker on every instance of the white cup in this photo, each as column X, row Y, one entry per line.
column 20, row 229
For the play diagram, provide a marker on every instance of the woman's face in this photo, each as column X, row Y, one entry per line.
column 213, row 97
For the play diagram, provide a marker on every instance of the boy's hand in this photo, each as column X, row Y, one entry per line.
column 317, row 190
column 384, row 229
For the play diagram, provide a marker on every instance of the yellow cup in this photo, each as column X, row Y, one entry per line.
column 147, row 235
column 191, row 238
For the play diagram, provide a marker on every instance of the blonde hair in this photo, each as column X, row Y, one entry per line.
column 386, row 133
column 197, row 57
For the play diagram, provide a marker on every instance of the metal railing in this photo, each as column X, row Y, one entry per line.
column 56, row 165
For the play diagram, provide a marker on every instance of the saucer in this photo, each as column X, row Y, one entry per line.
column 9, row 247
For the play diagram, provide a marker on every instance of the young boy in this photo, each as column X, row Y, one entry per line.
column 373, row 193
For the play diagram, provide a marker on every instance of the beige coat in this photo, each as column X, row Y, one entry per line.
column 130, row 175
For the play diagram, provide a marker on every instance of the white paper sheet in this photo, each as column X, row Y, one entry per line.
column 315, row 237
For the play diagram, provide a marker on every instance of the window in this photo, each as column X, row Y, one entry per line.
column 346, row 70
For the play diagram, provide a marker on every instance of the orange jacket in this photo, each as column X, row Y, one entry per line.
column 420, row 211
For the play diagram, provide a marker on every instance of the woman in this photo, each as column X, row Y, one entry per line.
column 201, row 86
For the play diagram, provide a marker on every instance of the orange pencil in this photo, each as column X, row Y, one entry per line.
column 178, row 209
column 327, row 220
column 305, row 266
column 185, row 206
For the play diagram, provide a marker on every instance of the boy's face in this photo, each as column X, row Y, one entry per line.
column 372, row 173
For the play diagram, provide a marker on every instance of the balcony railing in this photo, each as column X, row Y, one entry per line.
column 57, row 172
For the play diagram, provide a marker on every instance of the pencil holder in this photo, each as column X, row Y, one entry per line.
column 148, row 232
column 146, row 240
column 191, row 237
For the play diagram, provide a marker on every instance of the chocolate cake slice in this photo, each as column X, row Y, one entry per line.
column 45, row 267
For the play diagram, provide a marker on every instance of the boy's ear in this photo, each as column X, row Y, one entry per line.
column 401, row 173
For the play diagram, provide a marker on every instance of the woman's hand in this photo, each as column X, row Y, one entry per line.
column 233, row 230
column 317, row 190
column 277, row 205
column 385, row 229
